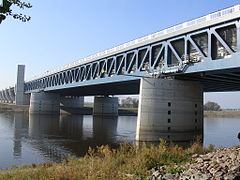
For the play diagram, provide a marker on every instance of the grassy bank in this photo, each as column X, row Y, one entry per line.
column 126, row 162
column 127, row 111
column 122, row 111
column 13, row 108
column 213, row 114
column 4, row 108
column 221, row 113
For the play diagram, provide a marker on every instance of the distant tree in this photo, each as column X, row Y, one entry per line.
column 129, row 102
column 5, row 10
column 212, row 106
column 135, row 102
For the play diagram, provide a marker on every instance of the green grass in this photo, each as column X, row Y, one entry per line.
column 126, row 162
column 134, row 110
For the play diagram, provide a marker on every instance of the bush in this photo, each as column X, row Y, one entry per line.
column 212, row 106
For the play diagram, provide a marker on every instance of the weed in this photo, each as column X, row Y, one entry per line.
column 126, row 162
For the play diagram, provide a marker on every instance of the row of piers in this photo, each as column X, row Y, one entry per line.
column 167, row 108
column 49, row 103
column 172, row 109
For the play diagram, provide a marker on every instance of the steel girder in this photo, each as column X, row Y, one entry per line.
column 7, row 95
column 1, row 97
column 209, row 49
column 11, row 94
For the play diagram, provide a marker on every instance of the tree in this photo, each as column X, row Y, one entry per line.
column 212, row 106
column 5, row 10
column 129, row 102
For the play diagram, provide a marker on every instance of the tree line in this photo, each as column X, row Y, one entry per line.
column 133, row 103
column 129, row 102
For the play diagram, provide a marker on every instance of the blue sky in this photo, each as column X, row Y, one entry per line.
column 61, row 32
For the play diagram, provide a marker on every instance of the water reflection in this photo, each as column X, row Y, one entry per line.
column 104, row 129
column 46, row 136
column 60, row 136
column 27, row 139
column 71, row 126
column 20, row 125
column 41, row 125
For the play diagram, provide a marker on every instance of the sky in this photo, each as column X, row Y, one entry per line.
column 61, row 32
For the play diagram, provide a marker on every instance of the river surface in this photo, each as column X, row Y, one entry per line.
column 38, row 139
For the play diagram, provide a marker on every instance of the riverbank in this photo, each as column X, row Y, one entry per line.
column 89, row 111
column 65, row 110
column 214, row 114
column 131, row 162
column 122, row 111
column 13, row 108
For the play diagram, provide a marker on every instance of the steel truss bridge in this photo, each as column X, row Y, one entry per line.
column 206, row 49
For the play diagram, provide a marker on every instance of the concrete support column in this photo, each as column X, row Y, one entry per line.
column 21, row 98
column 105, row 106
column 72, row 101
column 169, row 109
column 44, row 103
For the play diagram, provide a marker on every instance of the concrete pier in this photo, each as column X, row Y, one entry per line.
column 169, row 109
column 72, row 101
column 105, row 106
column 21, row 98
column 44, row 103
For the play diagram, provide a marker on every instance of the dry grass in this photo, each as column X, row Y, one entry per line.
column 212, row 114
column 126, row 162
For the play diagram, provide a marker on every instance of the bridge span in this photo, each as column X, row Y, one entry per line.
column 169, row 69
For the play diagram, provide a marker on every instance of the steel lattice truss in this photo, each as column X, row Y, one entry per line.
column 7, row 95
column 169, row 57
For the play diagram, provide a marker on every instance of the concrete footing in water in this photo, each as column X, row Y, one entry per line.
column 105, row 106
column 169, row 109
column 72, row 101
column 44, row 103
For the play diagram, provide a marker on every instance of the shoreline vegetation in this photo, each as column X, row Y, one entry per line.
column 165, row 161
column 122, row 111
column 223, row 113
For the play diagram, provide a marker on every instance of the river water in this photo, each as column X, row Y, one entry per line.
column 37, row 139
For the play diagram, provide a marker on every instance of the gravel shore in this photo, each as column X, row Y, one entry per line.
column 221, row 164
